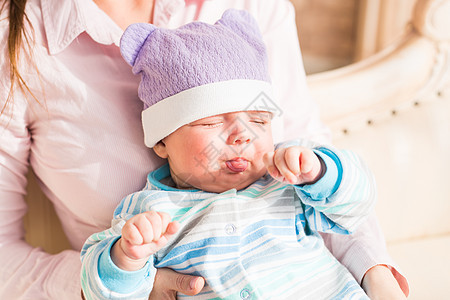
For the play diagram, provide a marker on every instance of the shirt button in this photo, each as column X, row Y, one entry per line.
column 230, row 229
column 245, row 294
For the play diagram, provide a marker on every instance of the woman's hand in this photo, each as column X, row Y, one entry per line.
column 379, row 283
column 168, row 283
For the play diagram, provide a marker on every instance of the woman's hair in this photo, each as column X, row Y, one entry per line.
column 17, row 40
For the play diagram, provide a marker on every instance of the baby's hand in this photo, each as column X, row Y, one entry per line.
column 142, row 236
column 295, row 165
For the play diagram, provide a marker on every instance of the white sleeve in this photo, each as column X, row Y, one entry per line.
column 25, row 272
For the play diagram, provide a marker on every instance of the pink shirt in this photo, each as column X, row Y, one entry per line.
column 84, row 140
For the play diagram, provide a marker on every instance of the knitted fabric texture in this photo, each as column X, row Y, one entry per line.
column 171, row 61
column 197, row 54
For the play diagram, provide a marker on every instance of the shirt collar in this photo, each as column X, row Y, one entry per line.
column 66, row 20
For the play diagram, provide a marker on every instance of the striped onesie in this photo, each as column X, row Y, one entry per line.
column 261, row 242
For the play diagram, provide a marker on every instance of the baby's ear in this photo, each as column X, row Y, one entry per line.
column 133, row 39
column 160, row 149
column 241, row 22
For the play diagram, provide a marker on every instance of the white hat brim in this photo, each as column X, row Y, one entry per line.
column 166, row 116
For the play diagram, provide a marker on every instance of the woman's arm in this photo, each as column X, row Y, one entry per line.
column 25, row 272
column 361, row 251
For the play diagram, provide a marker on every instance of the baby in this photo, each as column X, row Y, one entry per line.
column 228, row 206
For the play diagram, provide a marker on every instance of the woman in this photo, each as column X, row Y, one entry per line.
column 70, row 111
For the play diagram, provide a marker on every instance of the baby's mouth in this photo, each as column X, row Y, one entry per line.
column 237, row 165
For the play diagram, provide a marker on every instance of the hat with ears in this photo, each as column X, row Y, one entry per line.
column 196, row 71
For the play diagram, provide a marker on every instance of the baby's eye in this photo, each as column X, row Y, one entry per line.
column 259, row 122
column 212, row 125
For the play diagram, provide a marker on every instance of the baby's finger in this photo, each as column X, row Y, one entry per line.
column 280, row 162
column 156, row 228
column 131, row 234
column 307, row 161
column 144, row 226
column 165, row 220
column 270, row 165
column 292, row 156
column 172, row 228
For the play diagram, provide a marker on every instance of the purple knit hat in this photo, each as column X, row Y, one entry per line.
column 196, row 71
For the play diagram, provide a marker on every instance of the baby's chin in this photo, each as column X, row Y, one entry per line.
column 220, row 185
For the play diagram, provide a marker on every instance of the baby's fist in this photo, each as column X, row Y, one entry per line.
column 295, row 165
column 146, row 233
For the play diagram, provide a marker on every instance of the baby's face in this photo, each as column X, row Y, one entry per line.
column 220, row 152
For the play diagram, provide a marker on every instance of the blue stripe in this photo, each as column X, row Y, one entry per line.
column 192, row 250
column 270, row 222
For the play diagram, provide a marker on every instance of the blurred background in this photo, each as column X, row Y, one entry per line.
column 335, row 33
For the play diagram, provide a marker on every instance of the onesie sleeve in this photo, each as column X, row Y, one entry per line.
column 343, row 197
